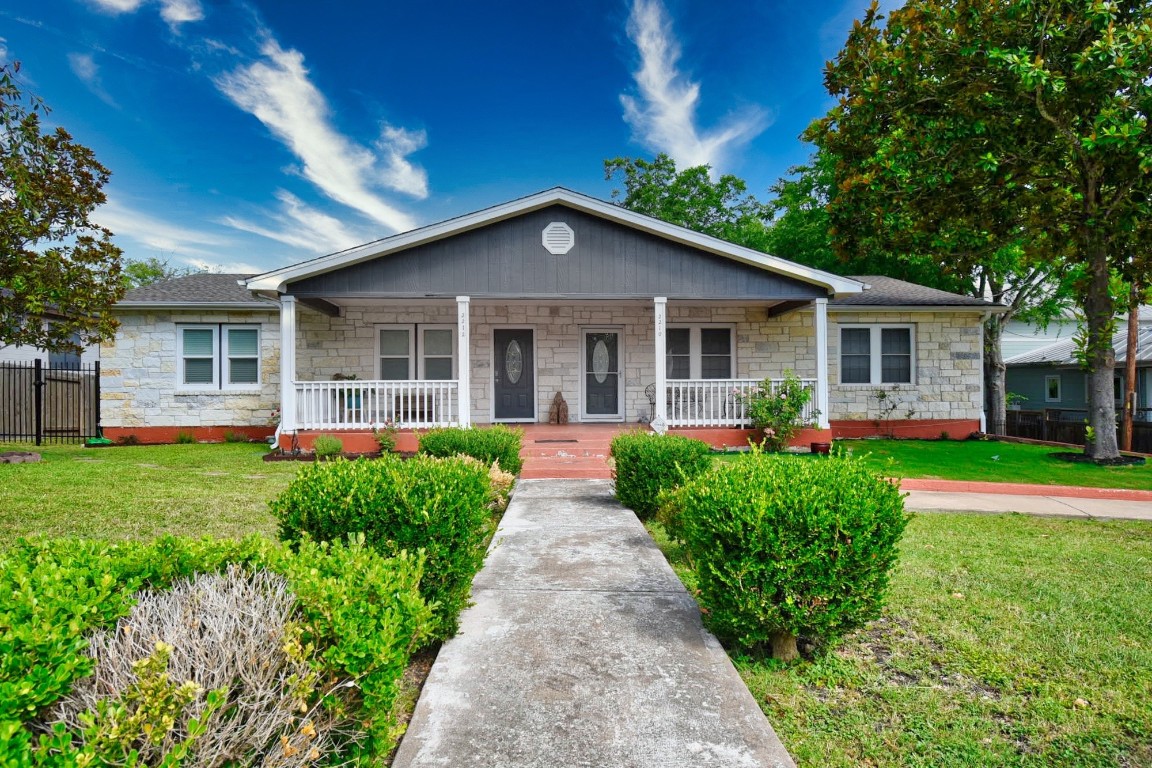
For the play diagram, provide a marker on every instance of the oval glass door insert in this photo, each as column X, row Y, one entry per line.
column 600, row 361
column 513, row 362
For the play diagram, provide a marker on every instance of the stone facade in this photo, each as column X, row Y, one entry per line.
column 139, row 381
column 948, row 369
column 139, row 375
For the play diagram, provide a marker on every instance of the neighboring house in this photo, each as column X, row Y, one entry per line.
column 1051, row 378
column 485, row 317
column 14, row 353
column 1020, row 336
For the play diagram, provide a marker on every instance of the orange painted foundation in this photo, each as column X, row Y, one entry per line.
column 923, row 429
column 728, row 437
column 165, row 435
column 355, row 441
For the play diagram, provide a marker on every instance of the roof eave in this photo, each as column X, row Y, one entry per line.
column 234, row 305
column 995, row 309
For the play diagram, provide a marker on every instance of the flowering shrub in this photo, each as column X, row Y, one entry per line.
column 777, row 409
column 385, row 436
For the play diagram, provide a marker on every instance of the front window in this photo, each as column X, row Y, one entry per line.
column 699, row 352
column 218, row 356
column 877, row 354
column 417, row 352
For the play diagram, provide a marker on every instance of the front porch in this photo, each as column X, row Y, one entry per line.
column 670, row 364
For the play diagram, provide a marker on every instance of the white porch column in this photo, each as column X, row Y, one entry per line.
column 464, row 353
column 822, row 361
column 660, row 418
column 287, row 363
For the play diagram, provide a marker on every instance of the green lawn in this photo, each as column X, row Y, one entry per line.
column 990, row 461
column 141, row 492
column 1007, row 641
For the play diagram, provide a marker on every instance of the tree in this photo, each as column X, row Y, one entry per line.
column 803, row 231
column 59, row 272
column 971, row 127
column 690, row 198
column 138, row 273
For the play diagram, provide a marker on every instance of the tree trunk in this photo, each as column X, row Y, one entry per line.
column 1099, row 315
column 784, row 646
column 994, row 377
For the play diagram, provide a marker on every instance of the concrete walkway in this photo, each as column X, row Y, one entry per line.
column 1043, row 500
column 583, row 649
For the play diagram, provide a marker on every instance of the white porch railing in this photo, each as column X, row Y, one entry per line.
column 361, row 404
column 720, row 402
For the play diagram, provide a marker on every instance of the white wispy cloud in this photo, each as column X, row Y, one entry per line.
column 175, row 12
column 662, row 114
column 84, row 67
column 3, row 52
column 277, row 90
column 302, row 226
column 181, row 243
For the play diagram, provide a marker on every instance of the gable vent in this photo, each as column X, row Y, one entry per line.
column 558, row 238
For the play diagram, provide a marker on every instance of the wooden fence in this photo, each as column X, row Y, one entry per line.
column 1066, row 425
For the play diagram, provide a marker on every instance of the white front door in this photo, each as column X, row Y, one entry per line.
column 602, row 395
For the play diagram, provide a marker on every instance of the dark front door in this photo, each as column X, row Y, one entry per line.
column 602, row 374
column 514, row 374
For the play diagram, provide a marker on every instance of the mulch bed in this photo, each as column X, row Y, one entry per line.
column 1119, row 461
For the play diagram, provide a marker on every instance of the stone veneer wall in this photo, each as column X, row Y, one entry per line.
column 764, row 347
column 138, row 375
column 139, row 368
column 948, row 371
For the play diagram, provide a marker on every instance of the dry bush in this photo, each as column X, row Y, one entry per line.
column 233, row 632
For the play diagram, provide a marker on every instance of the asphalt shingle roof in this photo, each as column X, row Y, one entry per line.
column 890, row 292
column 203, row 288
column 208, row 288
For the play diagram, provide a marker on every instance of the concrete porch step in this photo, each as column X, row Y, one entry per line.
column 583, row 467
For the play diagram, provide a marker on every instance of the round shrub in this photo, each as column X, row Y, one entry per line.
column 785, row 546
column 497, row 443
column 648, row 463
column 437, row 506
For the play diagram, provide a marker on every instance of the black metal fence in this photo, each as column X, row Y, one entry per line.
column 1065, row 425
column 41, row 403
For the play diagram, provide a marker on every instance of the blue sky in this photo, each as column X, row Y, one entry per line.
column 243, row 136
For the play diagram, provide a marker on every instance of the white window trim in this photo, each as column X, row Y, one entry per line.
column 420, row 354
column 695, row 363
column 1059, row 389
column 875, row 354
column 220, row 357
column 416, row 347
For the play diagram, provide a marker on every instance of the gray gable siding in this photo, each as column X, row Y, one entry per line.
column 507, row 260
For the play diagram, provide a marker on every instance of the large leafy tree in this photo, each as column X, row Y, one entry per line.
column 141, row 272
column 59, row 272
column 972, row 126
column 690, row 198
column 999, row 269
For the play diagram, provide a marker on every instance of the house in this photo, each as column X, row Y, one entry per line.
column 1051, row 377
column 485, row 317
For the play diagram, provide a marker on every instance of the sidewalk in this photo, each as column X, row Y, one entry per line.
column 583, row 649
column 1042, row 500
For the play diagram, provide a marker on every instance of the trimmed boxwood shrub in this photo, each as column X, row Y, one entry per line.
column 358, row 617
column 787, row 546
column 488, row 444
column 648, row 463
column 436, row 506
